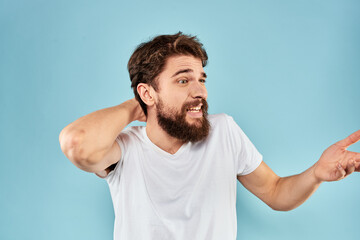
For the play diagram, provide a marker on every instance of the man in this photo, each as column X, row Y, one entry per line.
column 176, row 177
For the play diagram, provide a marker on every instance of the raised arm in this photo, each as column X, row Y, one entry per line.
column 89, row 142
column 289, row 192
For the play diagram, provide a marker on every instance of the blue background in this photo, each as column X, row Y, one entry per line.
column 287, row 71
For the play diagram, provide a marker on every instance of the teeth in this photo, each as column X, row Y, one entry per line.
column 194, row 109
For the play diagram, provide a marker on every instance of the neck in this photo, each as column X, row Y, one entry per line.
column 161, row 138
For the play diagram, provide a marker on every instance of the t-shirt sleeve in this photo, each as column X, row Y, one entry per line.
column 114, row 175
column 247, row 157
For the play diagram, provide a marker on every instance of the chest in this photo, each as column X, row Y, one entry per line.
column 200, row 180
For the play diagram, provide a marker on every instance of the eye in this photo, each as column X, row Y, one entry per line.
column 183, row 81
column 202, row 80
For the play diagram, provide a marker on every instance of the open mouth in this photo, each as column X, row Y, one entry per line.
column 194, row 109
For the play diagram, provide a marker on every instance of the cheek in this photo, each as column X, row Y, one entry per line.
column 175, row 99
column 173, row 96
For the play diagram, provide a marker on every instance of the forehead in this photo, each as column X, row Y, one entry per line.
column 175, row 63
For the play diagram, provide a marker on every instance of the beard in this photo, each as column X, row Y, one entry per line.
column 174, row 122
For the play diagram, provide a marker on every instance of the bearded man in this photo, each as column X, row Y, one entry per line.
column 176, row 177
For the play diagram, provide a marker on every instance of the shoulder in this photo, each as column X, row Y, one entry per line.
column 220, row 120
column 130, row 133
column 216, row 118
column 133, row 130
column 222, row 125
column 129, row 137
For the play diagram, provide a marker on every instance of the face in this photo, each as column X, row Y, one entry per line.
column 181, row 105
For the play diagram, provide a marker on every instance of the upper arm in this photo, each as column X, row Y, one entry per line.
column 108, row 162
column 95, row 162
column 261, row 182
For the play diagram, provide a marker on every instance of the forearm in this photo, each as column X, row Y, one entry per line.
column 290, row 192
column 90, row 137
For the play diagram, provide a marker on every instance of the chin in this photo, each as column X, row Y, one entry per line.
column 190, row 120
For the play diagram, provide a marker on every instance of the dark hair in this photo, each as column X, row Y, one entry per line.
column 149, row 58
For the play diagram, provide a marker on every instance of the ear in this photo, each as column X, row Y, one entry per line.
column 146, row 93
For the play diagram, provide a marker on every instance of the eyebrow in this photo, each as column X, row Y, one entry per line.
column 188, row 70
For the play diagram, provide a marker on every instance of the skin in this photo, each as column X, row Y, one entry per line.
column 89, row 142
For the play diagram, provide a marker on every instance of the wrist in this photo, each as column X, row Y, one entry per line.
column 313, row 176
column 130, row 107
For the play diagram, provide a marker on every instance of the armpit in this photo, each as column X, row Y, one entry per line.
column 106, row 171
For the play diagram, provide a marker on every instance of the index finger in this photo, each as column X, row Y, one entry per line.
column 351, row 139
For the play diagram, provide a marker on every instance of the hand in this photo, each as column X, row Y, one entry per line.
column 336, row 162
column 135, row 109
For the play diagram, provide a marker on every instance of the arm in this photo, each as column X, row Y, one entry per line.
column 287, row 193
column 280, row 194
column 89, row 142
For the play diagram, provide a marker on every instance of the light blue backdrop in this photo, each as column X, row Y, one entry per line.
column 287, row 71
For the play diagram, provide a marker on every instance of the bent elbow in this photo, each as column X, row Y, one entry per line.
column 282, row 208
column 71, row 145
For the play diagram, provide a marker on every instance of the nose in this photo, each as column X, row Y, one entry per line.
column 198, row 90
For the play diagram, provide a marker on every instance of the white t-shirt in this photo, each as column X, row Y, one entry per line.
column 187, row 195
